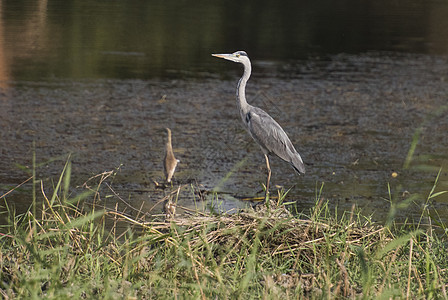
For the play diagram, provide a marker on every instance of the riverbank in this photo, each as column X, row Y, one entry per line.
column 63, row 247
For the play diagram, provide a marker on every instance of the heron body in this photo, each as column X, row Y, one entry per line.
column 261, row 126
column 169, row 162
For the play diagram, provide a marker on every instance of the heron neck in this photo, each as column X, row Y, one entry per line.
column 241, row 90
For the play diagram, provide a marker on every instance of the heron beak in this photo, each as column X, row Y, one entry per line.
column 225, row 56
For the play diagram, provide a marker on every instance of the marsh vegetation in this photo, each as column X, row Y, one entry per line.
column 67, row 246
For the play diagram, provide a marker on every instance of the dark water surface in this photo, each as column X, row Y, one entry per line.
column 350, row 82
column 136, row 39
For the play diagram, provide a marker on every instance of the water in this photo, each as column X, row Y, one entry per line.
column 146, row 39
column 350, row 82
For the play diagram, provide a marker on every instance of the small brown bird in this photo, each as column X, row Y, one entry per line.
column 170, row 162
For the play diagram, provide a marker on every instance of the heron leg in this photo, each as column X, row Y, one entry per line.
column 269, row 177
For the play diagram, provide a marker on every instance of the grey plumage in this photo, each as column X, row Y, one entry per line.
column 262, row 127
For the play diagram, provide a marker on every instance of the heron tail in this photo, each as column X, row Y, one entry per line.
column 297, row 164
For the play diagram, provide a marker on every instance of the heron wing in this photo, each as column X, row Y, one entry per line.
column 272, row 138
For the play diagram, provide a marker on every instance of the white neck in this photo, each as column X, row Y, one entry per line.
column 241, row 90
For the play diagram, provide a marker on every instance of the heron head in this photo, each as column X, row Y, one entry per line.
column 238, row 56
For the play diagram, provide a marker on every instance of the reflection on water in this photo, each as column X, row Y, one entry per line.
column 102, row 80
column 146, row 39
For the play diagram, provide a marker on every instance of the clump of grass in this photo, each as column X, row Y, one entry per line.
column 64, row 248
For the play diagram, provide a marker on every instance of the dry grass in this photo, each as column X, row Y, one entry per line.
column 67, row 249
column 301, row 246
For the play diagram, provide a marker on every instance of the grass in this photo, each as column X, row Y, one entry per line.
column 64, row 248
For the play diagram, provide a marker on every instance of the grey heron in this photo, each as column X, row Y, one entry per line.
column 262, row 127
column 169, row 162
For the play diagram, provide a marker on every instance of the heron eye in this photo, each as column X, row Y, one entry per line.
column 237, row 55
